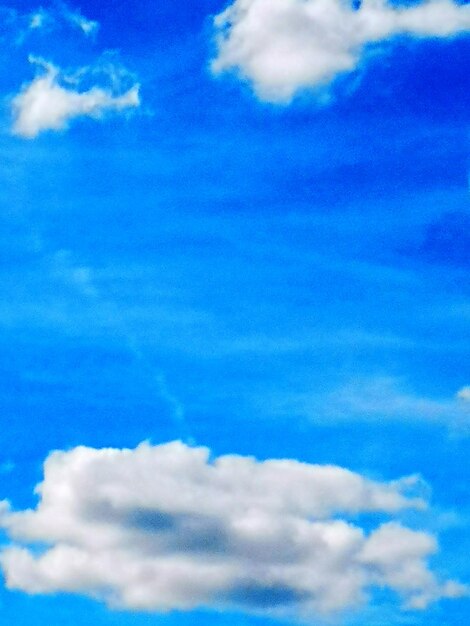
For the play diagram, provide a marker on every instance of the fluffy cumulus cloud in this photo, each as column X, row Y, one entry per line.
column 51, row 100
column 168, row 527
column 283, row 46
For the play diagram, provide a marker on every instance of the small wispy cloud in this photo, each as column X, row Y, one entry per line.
column 168, row 527
column 75, row 18
column 464, row 393
column 38, row 19
column 52, row 99
column 45, row 20
column 385, row 397
column 376, row 399
column 284, row 46
column 61, row 14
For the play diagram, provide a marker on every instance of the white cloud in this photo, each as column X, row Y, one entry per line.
column 38, row 19
column 44, row 21
column 62, row 14
column 464, row 394
column 167, row 527
column 283, row 46
column 47, row 104
column 372, row 398
column 75, row 18
column 389, row 398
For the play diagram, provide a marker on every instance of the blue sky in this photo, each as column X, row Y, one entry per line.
column 252, row 236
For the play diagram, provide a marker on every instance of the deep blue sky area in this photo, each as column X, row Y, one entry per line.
column 272, row 279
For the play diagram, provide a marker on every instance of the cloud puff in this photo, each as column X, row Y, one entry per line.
column 167, row 527
column 283, row 46
column 49, row 103
column 38, row 19
column 464, row 393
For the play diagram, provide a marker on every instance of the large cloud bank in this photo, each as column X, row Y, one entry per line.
column 167, row 527
column 283, row 46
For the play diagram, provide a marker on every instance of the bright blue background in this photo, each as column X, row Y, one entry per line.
column 216, row 269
